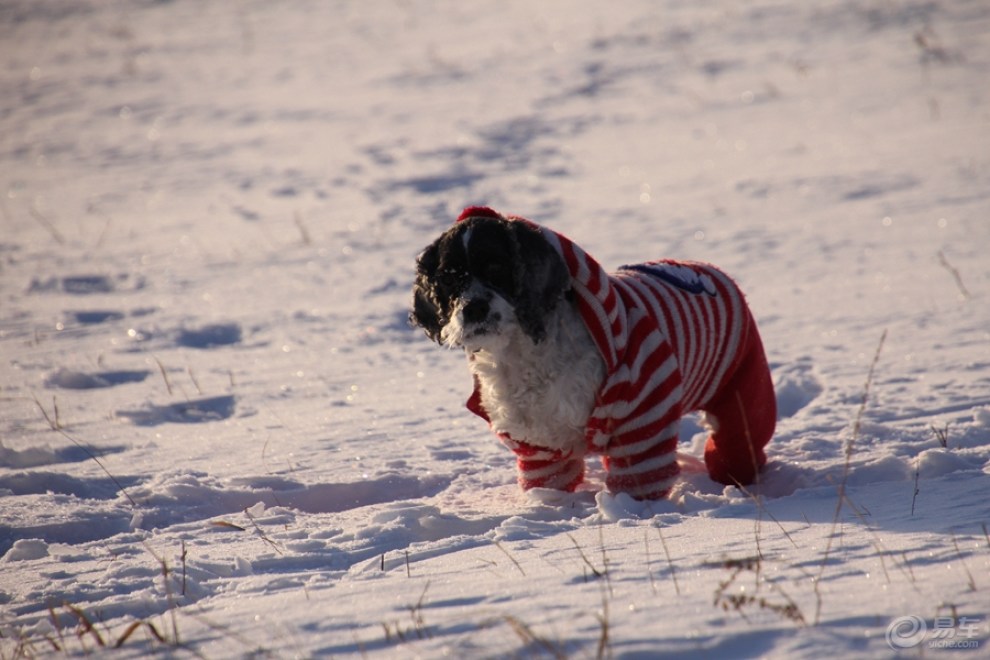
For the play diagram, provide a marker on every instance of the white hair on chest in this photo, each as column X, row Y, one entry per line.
column 542, row 394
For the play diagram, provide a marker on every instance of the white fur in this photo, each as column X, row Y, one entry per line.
column 541, row 393
column 488, row 334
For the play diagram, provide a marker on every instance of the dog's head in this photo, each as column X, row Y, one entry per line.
column 484, row 278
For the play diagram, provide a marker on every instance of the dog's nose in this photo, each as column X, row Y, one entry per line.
column 476, row 311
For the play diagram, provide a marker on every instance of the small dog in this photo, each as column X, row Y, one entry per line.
column 570, row 360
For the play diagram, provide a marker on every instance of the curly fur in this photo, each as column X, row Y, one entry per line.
column 496, row 289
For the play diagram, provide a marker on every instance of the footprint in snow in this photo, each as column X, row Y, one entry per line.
column 80, row 285
column 39, row 482
column 95, row 317
column 98, row 316
column 210, row 336
column 70, row 379
column 199, row 411
column 32, row 457
column 797, row 386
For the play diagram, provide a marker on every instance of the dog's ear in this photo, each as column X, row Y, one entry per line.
column 542, row 282
column 426, row 311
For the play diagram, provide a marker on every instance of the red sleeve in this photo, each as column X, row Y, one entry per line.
column 474, row 403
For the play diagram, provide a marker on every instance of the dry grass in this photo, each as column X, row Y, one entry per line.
column 529, row 638
column 841, row 499
column 56, row 425
column 511, row 558
column 963, row 291
column 778, row 601
column 396, row 632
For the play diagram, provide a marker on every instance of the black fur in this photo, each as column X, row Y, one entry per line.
column 426, row 308
column 508, row 256
column 544, row 280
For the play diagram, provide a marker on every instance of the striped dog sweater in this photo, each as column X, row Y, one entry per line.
column 675, row 337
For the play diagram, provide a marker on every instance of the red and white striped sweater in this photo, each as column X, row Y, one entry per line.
column 676, row 337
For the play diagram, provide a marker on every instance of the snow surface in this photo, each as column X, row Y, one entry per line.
column 217, row 427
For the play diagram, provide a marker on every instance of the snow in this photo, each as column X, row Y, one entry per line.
column 219, row 436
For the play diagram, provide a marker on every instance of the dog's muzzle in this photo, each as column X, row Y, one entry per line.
column 476, row 311
column 477, row 317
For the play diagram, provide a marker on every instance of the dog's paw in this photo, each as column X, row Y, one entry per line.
column 622, row 506
column 558, row 498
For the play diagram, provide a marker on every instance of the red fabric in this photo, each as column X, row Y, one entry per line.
column 675, row 337
column 477, row 211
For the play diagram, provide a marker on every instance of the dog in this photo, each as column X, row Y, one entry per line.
column 568, row 360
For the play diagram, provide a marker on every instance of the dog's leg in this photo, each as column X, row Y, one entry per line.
column 546, row 468
column 566, row 474
column 644, row 466
column 743, row 416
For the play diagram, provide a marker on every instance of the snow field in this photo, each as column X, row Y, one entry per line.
column 220, row 437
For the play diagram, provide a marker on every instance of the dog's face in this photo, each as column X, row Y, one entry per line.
column 485, row 278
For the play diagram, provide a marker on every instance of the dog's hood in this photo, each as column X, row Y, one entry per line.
column 478, row 212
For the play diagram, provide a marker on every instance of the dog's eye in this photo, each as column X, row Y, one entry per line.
column 450, row 277
column 498, row 274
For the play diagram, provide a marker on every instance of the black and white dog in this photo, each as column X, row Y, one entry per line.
column 569, row 360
